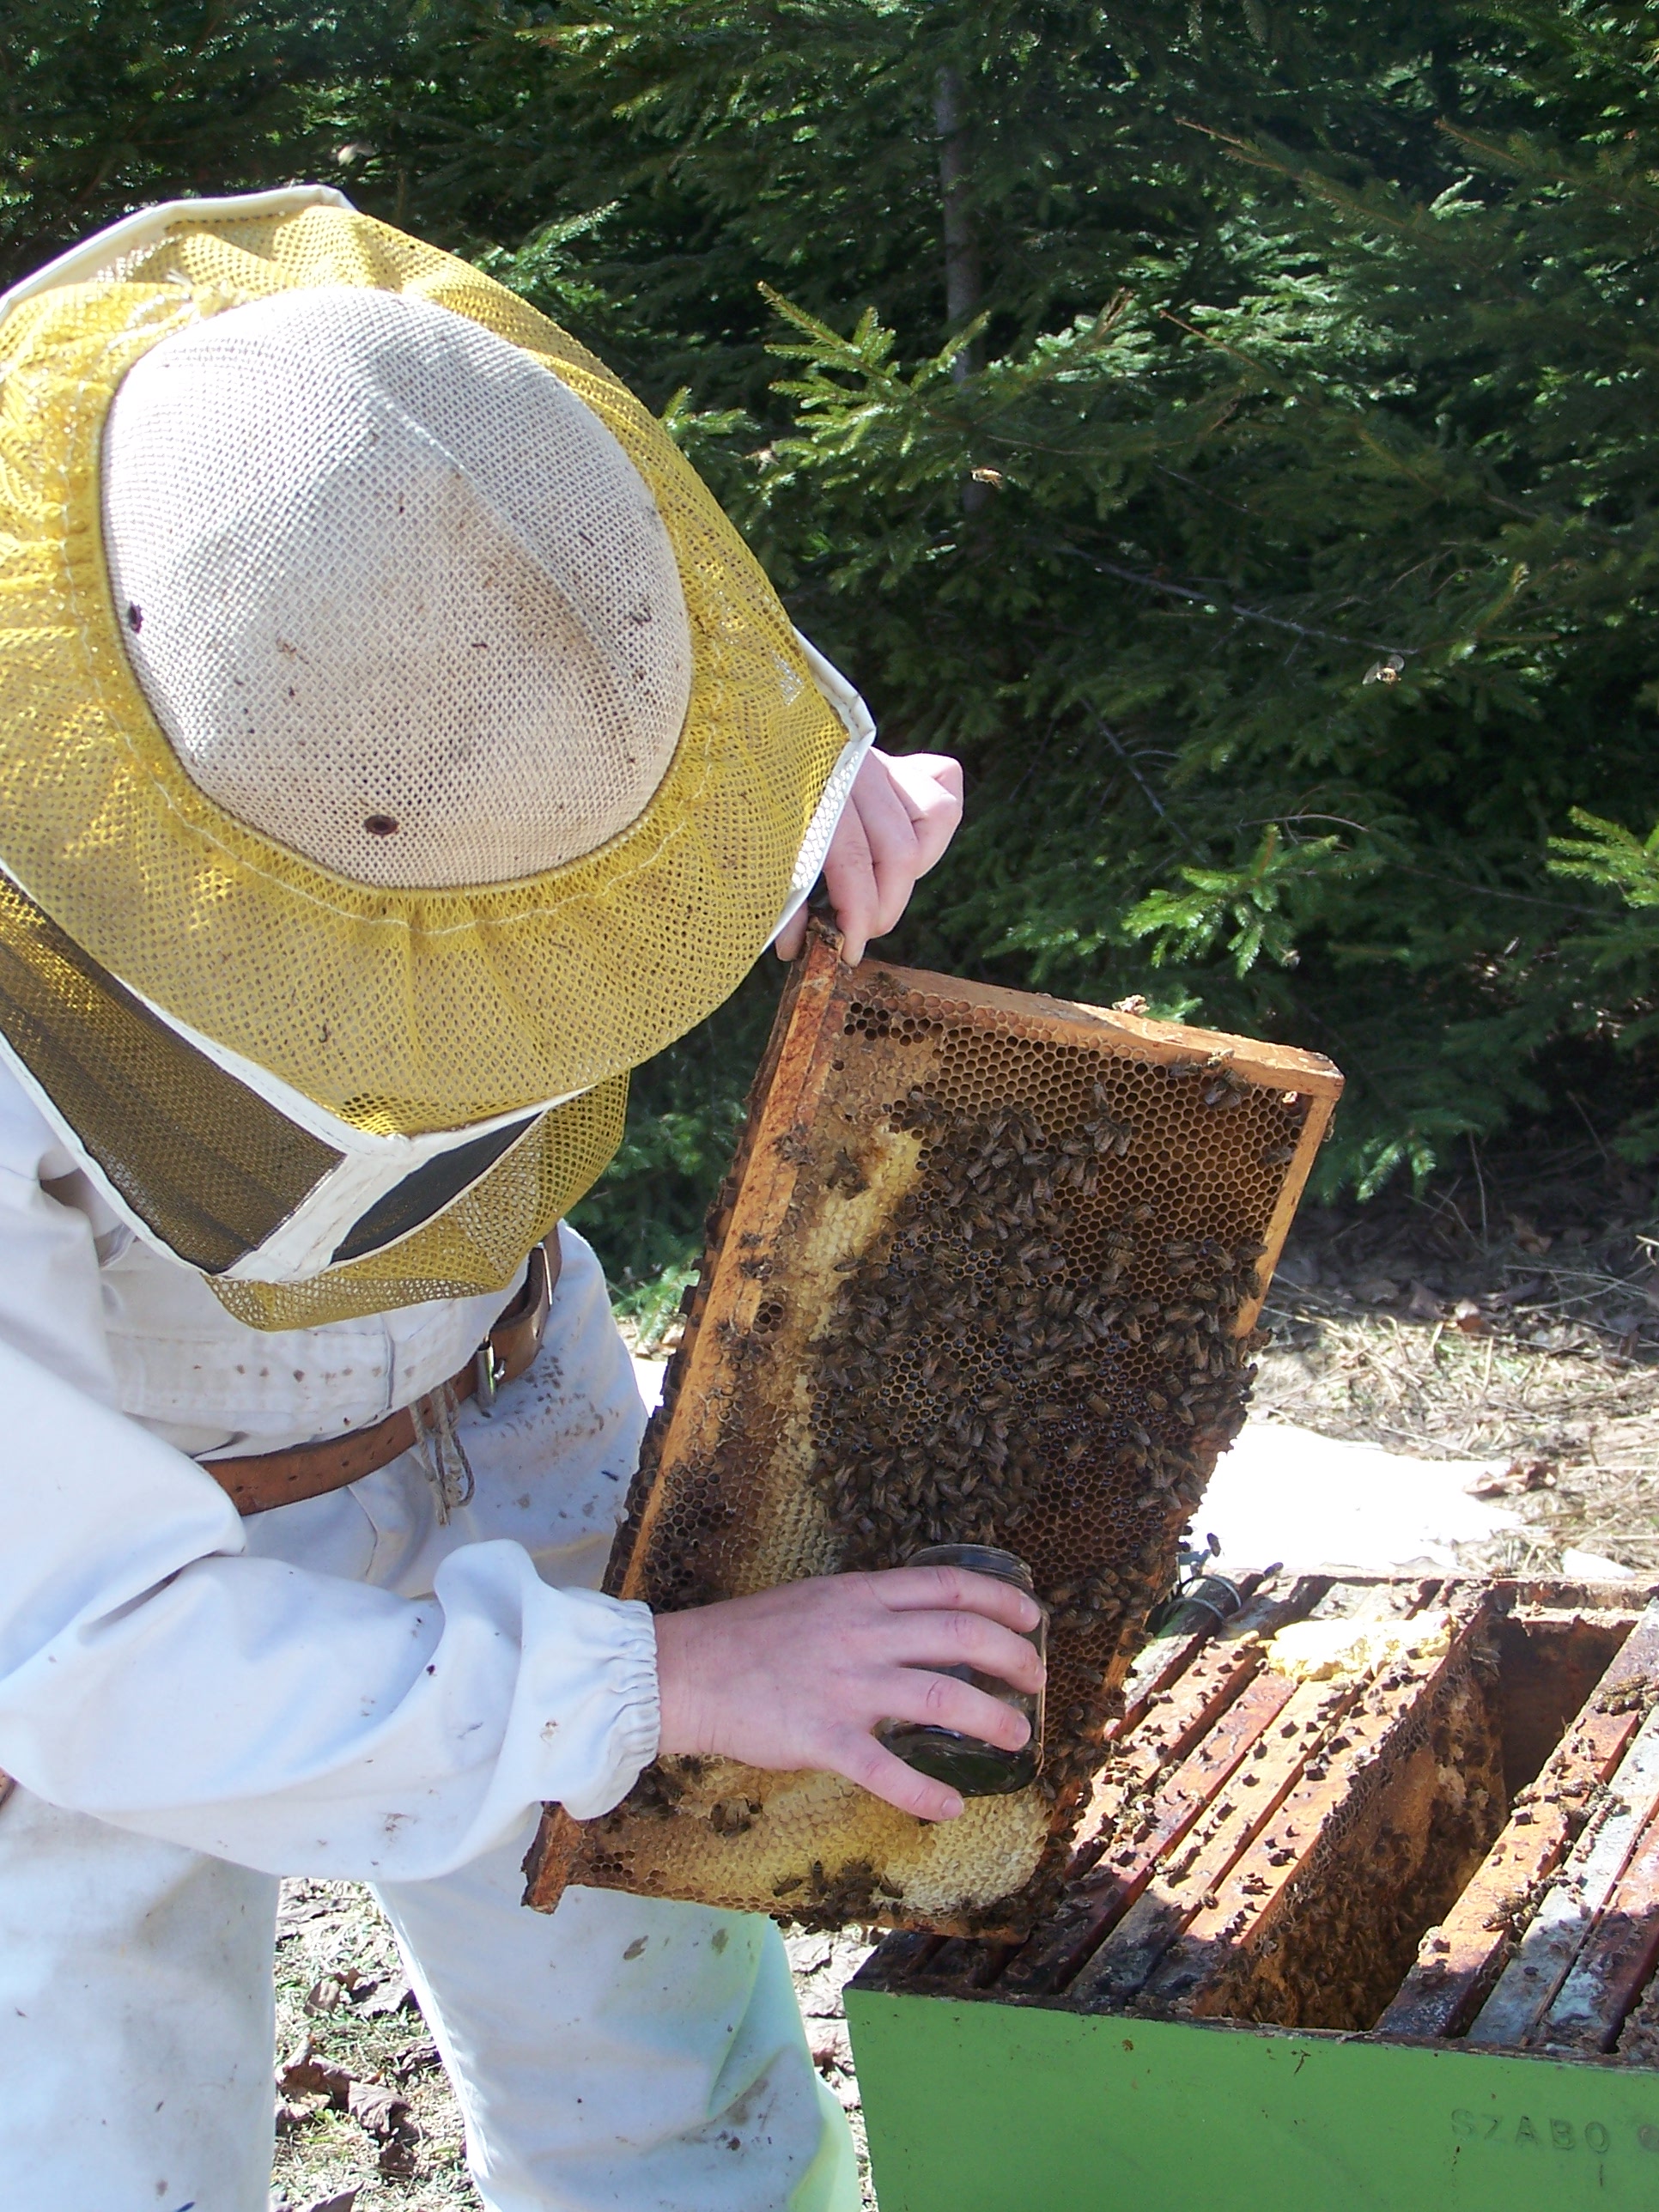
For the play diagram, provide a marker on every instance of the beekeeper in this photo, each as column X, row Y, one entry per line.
column 397, row 747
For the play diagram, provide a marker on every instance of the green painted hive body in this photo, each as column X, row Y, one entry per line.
column 984, row 2108
column 1363, row 1918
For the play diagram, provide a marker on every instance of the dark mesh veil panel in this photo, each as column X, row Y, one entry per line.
column 205, row 1162
column 427, row 1190
column 476, row 1241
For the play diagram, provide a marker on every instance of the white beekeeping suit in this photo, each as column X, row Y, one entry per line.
column 397, row 747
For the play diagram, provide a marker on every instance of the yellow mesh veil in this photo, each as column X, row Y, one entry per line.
column 208, row 1165
column 401, row 1012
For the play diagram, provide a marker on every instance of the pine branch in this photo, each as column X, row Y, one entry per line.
column 1216, row 600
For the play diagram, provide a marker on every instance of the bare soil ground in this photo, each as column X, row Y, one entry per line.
column 1511, row 1313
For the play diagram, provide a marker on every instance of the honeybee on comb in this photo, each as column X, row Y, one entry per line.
column 986, row 1270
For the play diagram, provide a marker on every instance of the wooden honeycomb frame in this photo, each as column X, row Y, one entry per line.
column 987, row 1268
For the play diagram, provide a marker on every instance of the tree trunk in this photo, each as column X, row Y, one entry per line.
column 962, row 266
column 962, row 275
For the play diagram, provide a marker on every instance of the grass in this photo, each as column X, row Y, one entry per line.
column 335, row 1958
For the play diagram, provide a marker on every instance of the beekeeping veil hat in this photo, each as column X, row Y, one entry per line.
column 397, row 746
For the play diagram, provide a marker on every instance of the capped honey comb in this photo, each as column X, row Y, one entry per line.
column 987, row 1269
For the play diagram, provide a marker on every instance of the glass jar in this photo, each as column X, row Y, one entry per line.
column 976, row 1769
column 1197, row 1608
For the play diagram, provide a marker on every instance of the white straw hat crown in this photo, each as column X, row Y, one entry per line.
column 397, row 597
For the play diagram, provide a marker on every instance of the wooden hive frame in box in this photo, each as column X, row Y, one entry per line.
column 986, row 1268
column 1363, row 1911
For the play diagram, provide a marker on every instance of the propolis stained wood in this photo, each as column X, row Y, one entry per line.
column 988, row 1269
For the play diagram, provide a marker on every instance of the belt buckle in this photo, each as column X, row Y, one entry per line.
column 491, row 1373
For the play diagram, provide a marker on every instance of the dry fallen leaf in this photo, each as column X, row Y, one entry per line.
column 381, row 2110
column 1468, row 1316
column 419, row 2058
column 399, row 2158
column 1517, row 1479
column 306, row 2075
column 379, row 2000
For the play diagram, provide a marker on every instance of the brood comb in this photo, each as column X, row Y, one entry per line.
column 987, row 1269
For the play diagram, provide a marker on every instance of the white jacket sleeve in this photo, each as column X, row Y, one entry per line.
column 155, row 1674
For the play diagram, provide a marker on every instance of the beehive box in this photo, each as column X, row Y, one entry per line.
column 1361, row 1915
column 988, row 1269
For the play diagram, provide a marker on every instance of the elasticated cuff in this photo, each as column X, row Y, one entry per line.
column 637, row 1728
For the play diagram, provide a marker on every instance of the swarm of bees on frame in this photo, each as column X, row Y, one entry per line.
column 1026, row 1357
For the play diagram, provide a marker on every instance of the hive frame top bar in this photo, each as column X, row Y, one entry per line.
column 1297, row 1070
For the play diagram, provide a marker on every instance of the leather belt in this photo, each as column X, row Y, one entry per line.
column 261, row 1480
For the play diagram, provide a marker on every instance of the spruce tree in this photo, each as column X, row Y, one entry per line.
column 1228, row 426
column 1273, row 535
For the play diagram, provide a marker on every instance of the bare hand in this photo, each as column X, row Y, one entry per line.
column 798, row 1676
column 900, row 816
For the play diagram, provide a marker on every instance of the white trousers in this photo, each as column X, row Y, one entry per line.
column 617, row 2056
column 621, row 2055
